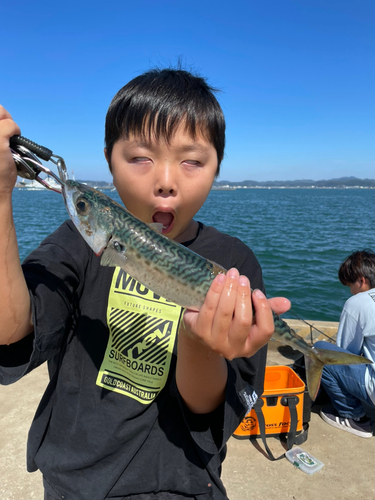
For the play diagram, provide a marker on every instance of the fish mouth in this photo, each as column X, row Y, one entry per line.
column 166, row 217
column 99, row 252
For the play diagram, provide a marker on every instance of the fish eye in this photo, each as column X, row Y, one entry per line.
column 119, row 247
column 82, row 206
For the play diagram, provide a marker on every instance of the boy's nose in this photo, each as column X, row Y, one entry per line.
column 165, row 182
column 166, row 190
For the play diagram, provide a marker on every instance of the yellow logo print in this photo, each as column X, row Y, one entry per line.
column 142, row 333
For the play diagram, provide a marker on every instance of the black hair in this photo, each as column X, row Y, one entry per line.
column 156, row 102
column 359, row 264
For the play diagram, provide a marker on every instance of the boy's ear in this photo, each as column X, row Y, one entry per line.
column 365, row 281
column 107, row 158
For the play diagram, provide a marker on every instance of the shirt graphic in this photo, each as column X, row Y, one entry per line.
column 142, row 333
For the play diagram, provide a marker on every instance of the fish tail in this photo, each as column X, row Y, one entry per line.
column 317, row 358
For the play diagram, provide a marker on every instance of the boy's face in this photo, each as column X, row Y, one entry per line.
column 165, row 182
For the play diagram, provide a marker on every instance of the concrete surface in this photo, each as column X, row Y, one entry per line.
column 247, row 473
column 312, row 330
column 18, row 403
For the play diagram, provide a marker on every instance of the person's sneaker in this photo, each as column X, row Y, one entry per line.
column 331, row 417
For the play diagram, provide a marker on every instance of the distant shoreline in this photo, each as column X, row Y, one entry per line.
column 221, row 188
column 234, row 188
column 341, row 183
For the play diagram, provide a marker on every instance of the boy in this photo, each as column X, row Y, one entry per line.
column 134, row 410
column 350, row 387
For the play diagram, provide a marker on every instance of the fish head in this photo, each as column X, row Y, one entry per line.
column 91, row 213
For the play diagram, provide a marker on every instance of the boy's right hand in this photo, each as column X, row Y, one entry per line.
column 8, row 170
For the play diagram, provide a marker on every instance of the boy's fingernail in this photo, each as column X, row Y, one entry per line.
column 259, row 294
column 232, row 273
column 220, row 278
column 244, row 281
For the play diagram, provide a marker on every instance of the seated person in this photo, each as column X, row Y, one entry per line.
column 350, row 387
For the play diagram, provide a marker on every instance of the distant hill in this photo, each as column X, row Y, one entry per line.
column 340, row 183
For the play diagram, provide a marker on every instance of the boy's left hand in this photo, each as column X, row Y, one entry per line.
column 226, row 323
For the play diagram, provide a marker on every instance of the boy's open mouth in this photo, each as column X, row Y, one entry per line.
column 165, row 218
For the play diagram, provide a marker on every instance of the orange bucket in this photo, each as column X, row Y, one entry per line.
column 280, row 382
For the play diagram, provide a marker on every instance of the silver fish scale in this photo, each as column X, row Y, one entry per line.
column 167, row 255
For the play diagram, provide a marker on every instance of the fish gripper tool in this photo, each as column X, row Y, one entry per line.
column 27, row 156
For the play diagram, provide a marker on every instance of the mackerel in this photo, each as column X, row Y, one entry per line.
column 168, row 268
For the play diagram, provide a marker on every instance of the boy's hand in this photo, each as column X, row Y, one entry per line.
column 226, row 323
column 8, row 171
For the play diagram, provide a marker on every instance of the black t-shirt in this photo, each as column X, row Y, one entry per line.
column 111, row 422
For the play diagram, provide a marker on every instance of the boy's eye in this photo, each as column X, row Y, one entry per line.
column 193, row 163
column 140, row 159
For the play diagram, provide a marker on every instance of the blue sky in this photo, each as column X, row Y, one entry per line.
column 297, row 77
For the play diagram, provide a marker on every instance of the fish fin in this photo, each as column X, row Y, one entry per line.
column 316, row 360
column 328, row 357
column 156, row 226
column 314, row 369
column 112, row 258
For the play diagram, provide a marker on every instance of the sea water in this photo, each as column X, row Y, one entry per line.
column 300, row 236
